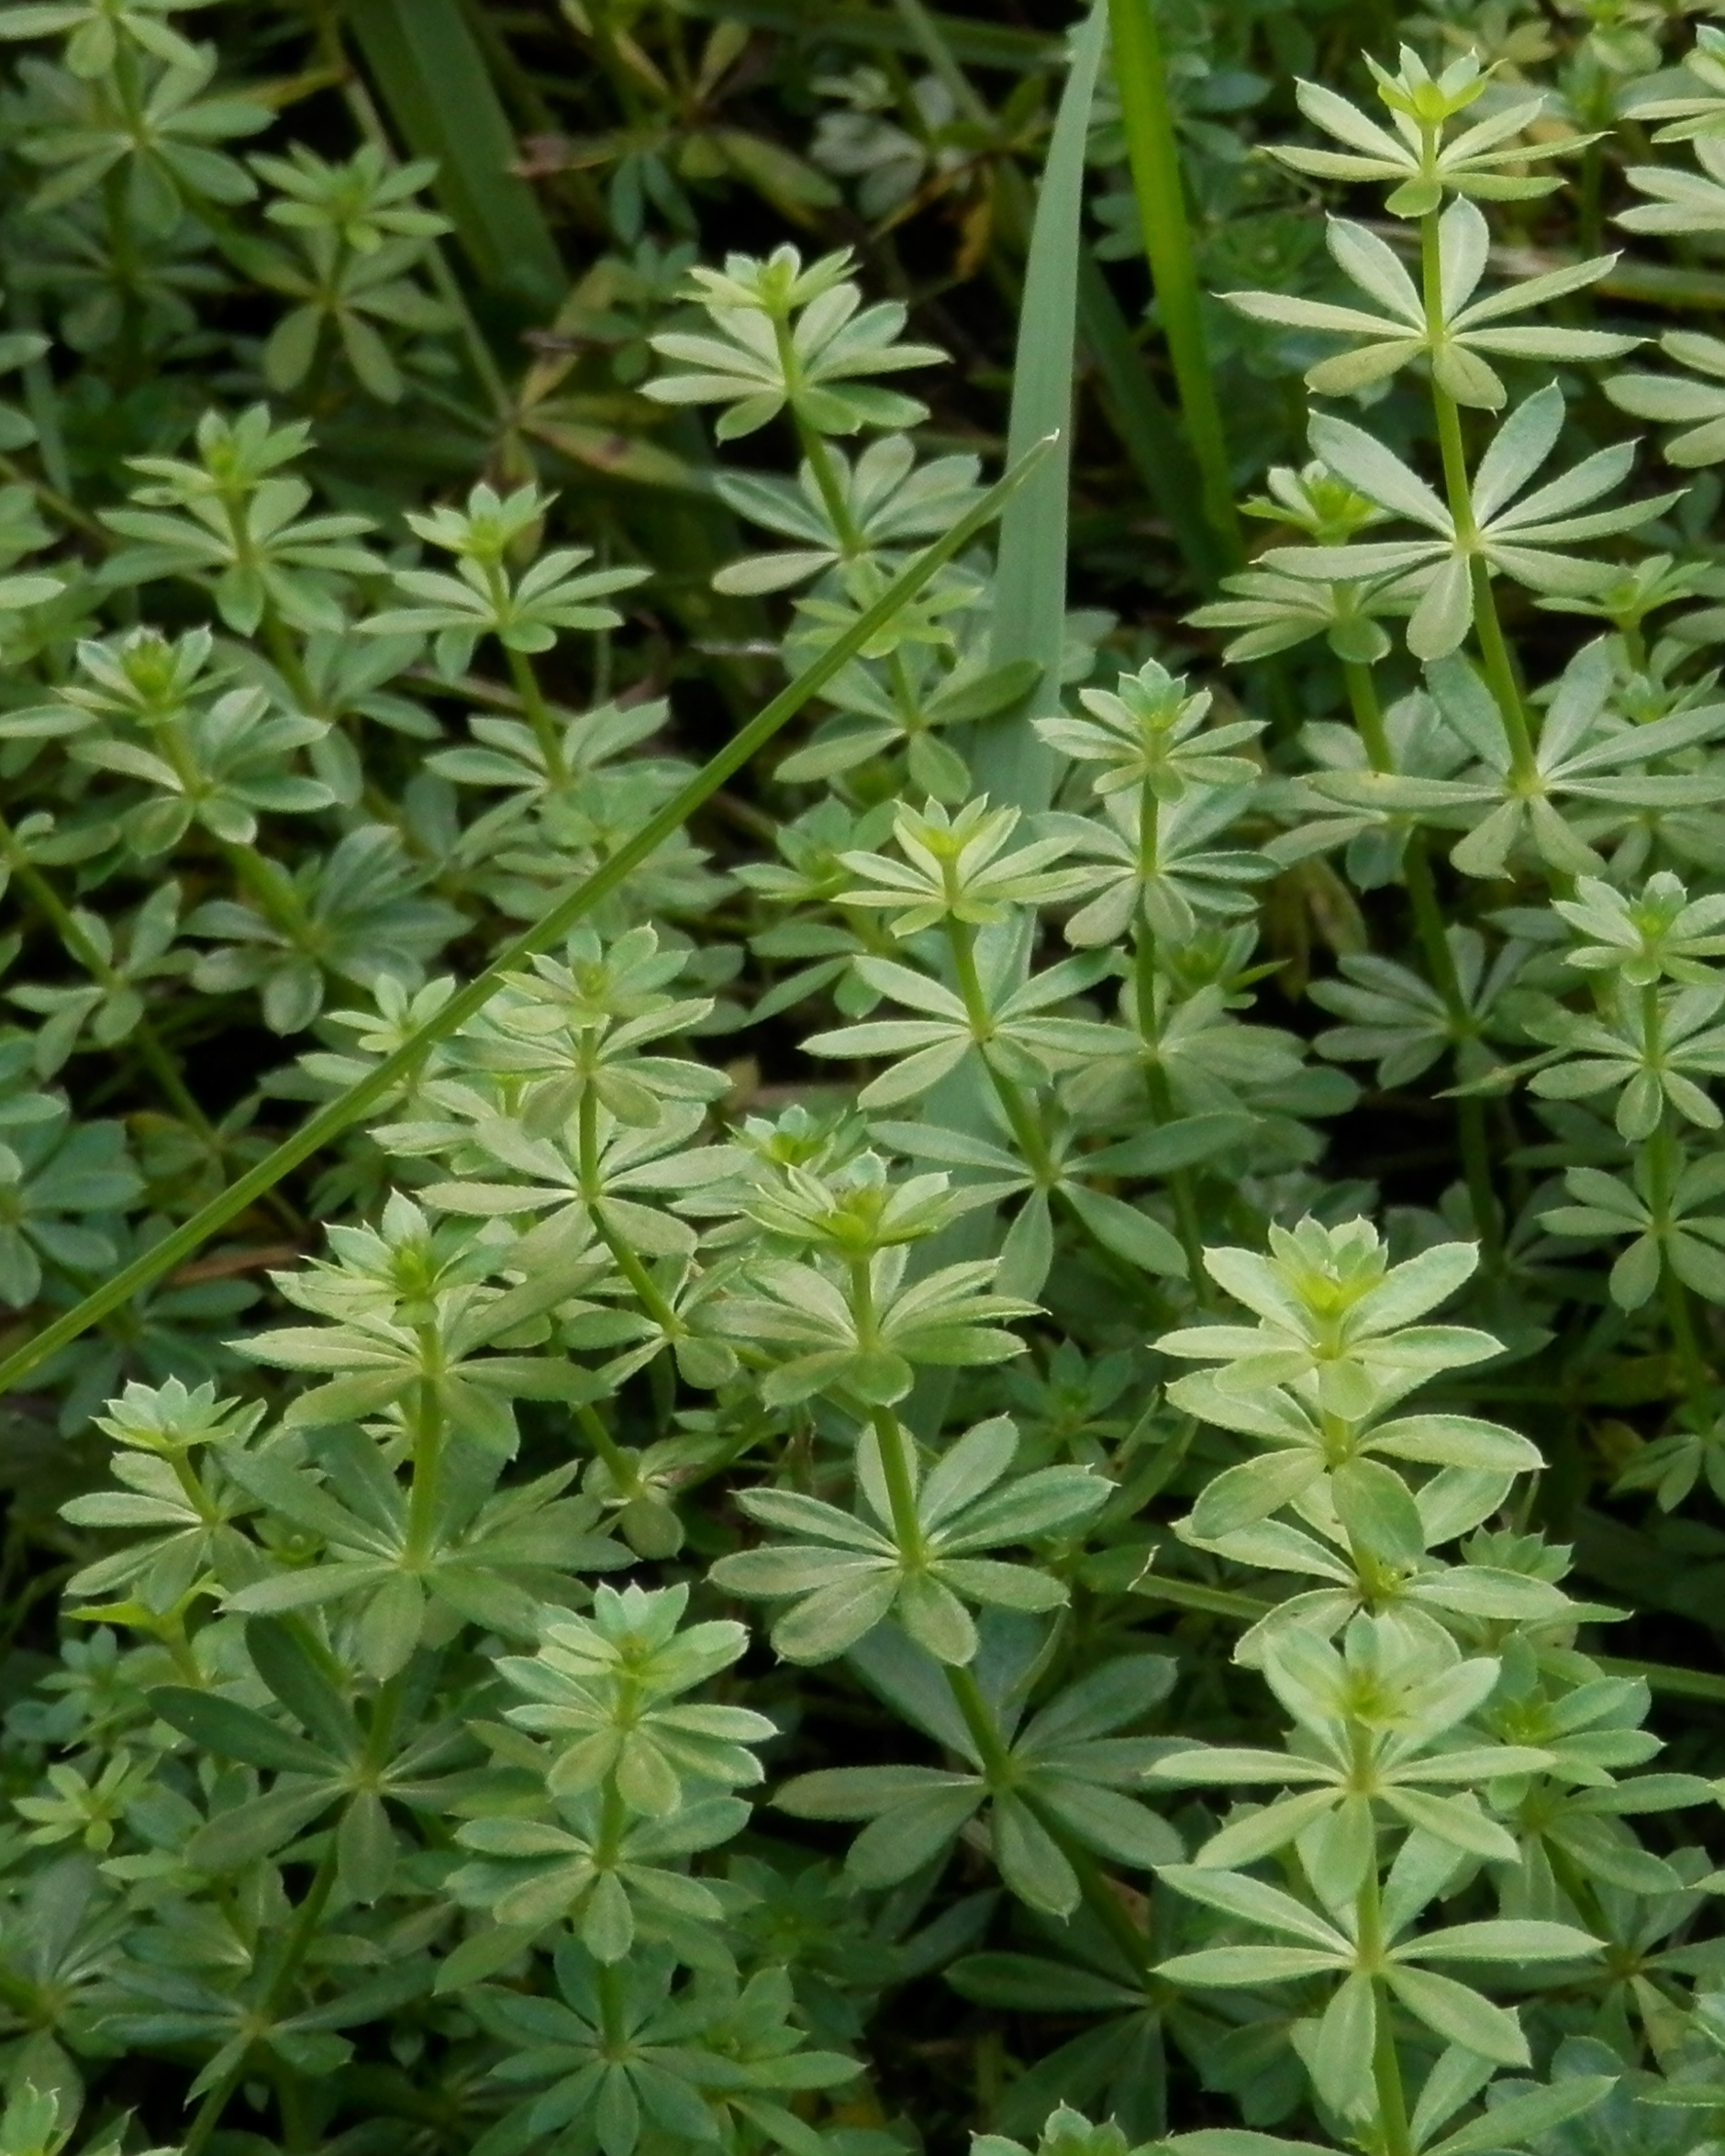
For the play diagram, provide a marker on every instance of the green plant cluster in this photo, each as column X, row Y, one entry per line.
column 862, row 1210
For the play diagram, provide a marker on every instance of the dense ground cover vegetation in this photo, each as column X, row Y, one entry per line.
column 862, row 1213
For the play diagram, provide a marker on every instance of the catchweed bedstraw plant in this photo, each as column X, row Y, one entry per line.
column 904, row 1385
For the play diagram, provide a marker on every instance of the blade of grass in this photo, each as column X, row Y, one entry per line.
column 1146, row 430
column 1011, row 761
column 428, row 71
column 1154, row 157
column 329, row 1122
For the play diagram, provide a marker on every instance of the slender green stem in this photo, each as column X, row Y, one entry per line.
column 893, row 1440
column 557, row 920
column 292, row 1952
column 625, row 1476
column 852, row 540
column 994, row 1754
column 1580, row 1888
column 1144, row 1009
column 628, row 1262
column 995, row 1758
column 1141, row 76
column 64, row 922
column 1386, row 2077
column 1662, row 1160
column 1501, row 673
column 1394, row 2137
column 269, row 883
column 933, row 45
column 427, row 1454
column 539, row 715
column 1018, row 1108
column 1014, row 1103
column 288, row 662
column 273, row 888
column 1428, row 912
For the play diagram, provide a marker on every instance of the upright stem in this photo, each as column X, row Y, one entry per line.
column 1501, row 671
column 893, row 1440
column 1663, row 1171
column 64, row 922
column 1019, row 1115
column 592, row 1194
column 1397, row 2137
column 288, row 662
column 427, row 1453
column 993, row 1752
column 292, row 1952
column 1428, row 912
column 995, row 1758
column 1154, row 153
column 1392, row 2099
column 849, row 534
column 625, row 1476
column 538, row 716
column 1144, row 978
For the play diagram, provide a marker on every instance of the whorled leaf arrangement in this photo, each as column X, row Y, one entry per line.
column 902, row 1324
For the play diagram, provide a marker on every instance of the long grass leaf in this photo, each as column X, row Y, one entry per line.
column 1146, row 430
column 329, row 1122
column 1154, row 157
column 1011, row 761
column 432, row 79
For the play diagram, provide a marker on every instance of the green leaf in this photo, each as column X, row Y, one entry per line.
column 1127, row 1232
column 1032, row 1865
column 1343, row 2051
column 235, row 1732
column 1023, row 1983
column 1506, row 1939
column 1459, row 2014
column 1233, row 2140
column 433, row 79
column 1238, row 1895
column 863, row 1793
column 1011, row 762
column 1166, row 221
column 182, row 1242
column 1243, row 1967
column 287, row 1667
column 239, row 1836
column 834, row 1618
column 1521, row 2119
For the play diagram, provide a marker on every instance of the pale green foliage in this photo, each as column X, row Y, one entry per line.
column 787, row 334
column 482, row 598
column 913, row 1253
column 1466, row 330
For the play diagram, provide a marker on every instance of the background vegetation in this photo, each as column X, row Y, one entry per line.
column 861, row 1215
